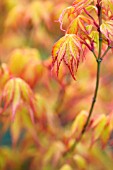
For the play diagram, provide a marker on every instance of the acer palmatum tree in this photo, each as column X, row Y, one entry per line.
column 46, row 113
column 88, row 26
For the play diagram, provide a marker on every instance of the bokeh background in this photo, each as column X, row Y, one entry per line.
column 28, row 30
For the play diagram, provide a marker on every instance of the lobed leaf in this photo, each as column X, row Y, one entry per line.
column 67, row 15
column 80, row 4
column 79, row 23
column 108, row 5
column 107, row 30
column 69, row 50
column 16, row 92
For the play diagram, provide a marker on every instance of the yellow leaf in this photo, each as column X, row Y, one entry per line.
column 69, row 50
column 79, row 24
column 68, row 14
column 80, row 161
column 98, row 126
column 66, row 167
column 105, row 135
column 15, row 130
column 107, row 29
column 80, row 4
column 79, row 123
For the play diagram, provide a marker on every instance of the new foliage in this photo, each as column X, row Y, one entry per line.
column 46, row 103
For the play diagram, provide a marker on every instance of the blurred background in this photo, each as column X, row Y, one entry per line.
column 28, row 31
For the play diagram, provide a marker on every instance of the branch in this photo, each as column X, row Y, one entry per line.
column 108, row 48
column 95, row 95
column 99, row 59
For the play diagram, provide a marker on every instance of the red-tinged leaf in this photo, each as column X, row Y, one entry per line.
column 67, row 15
column 107, row 29
column 98, row 127
column 7, row 94
column 69, row 50
column 16, row 92
column 24, row 91
column 79, row 24
column 31, row 108
column 16, row 99
column 97, row 119
column 78, row 124
column 108, row 6
column 80, row 4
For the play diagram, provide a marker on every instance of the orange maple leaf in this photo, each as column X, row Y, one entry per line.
column 68, row 49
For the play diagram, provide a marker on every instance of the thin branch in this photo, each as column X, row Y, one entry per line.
column 108, row 48
column 95, row 95
column 94, row 55
column 98, row 67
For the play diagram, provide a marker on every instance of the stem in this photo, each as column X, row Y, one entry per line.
column 95, row 95
column 99, row 59
column 108, row 48
column 94, row 55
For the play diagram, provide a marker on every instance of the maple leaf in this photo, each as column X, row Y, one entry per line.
column 98, row 127
column 68, row 13
column 72, row 12
column 80, row 4
column 108, row 6
column 68, row 49
column 16, row 92
column 79, row 23
column 78, row 124
column 107, row 30
column 30, row 69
